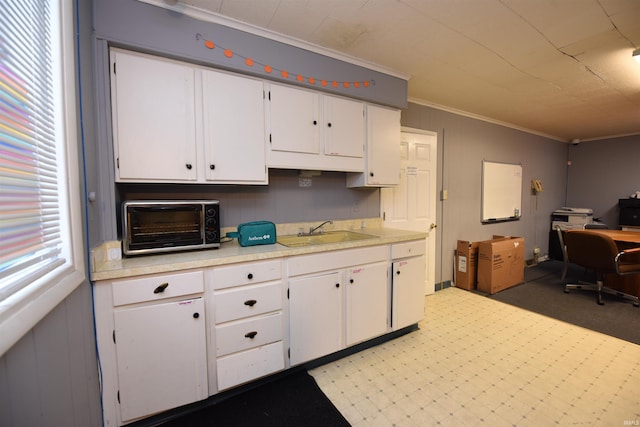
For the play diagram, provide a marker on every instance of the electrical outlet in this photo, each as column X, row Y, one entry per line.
column 304, row 182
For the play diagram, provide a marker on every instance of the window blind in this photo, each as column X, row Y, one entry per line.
column 29, row 203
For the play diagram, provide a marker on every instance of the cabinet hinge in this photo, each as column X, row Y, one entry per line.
column 118, row 396
column 114, row 68
column 118, row 163
column 289, row 352
column 287, row 293
column 269, row 138
column 269, row 95
column 384, row 216
column 114, row 336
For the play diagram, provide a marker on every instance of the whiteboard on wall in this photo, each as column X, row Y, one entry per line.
column 501, row 191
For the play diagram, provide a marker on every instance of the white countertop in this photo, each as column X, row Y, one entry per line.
column 232, row 252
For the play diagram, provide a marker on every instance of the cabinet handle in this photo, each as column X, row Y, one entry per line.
column 251, row 334
column 250, row 302
column 329, row 124
column 350, row 280
column 212, row 167
column 315, row 122
column 370, row 173
column 161, row 288
column 398, row 272
column 196, row 315
column 337, row 285
column 188, row 165
column 250, row 276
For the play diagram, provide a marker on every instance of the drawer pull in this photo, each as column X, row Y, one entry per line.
column 250, row 302
column 251, row 334
column 196, row 315
column 161, row 288
column 249, row 276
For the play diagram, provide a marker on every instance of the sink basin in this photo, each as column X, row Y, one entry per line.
column 294, row 241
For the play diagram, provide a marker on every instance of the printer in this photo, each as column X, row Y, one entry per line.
column 570, row 218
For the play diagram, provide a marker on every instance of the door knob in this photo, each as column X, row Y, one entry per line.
column 432, row 226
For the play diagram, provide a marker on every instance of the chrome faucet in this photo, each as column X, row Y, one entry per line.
column 313, row 229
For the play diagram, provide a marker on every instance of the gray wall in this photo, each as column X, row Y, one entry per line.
column 463, row 143
column 49, row 378
column 138, row 26
column 602, row 172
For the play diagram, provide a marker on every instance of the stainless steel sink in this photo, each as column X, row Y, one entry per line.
column 339, row 236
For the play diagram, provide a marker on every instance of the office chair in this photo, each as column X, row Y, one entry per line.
column 565, row 257
column 598, row 252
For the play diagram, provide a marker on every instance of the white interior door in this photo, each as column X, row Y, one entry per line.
column 412, row 204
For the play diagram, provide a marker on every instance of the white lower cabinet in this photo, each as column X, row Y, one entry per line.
column 315, row 310
column 336, row 299
column 408, row 278
column 248, row 323
column 167, row 340
column 151, row 334
column 161, row 356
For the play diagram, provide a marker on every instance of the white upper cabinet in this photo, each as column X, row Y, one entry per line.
column 309, row 130
column 295, row 120
column 343, row 123
column 154, row 126
column 234, row 137
column 176, row 122
column 383, row 150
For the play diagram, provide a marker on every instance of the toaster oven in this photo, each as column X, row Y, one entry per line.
column 153, row 226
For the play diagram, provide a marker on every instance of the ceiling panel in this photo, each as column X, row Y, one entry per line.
column 562, row 68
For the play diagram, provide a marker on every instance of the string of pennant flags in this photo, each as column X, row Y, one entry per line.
column 285, row 74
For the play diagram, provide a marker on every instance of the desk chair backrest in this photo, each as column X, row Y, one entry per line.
column 591, row 250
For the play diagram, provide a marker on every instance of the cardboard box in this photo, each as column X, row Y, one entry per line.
column 500, row 263
column 466, row 264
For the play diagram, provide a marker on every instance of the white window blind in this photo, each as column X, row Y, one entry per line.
column 41, row 240
column 29, row 215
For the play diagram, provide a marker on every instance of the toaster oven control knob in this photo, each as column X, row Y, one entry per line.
column 211, row 213
column 211, row 236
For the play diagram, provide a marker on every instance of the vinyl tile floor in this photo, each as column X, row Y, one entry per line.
column 480, row 362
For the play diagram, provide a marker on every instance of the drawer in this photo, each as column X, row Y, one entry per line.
column 156, row 287
column 246, row 301
column 249, row 333
column 246, row 273
column 251, row 364
column 333, row 260
column 408, row 249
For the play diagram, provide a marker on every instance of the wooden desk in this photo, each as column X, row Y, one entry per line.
column 632, row 238
column 629, row 284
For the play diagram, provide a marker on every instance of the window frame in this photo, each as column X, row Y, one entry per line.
column 22, row 310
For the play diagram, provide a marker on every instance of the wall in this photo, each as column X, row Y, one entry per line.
column 463, row 143
column 140, row 26
column 602, row 172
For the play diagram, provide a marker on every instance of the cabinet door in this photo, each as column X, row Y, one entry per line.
column 383, row 150
column 408, row 291
column 295, row 120
column 344, row 127
column 315, row 307
column 153, row 118
column 367, row 302
column 234, row 135
column 161, row 356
